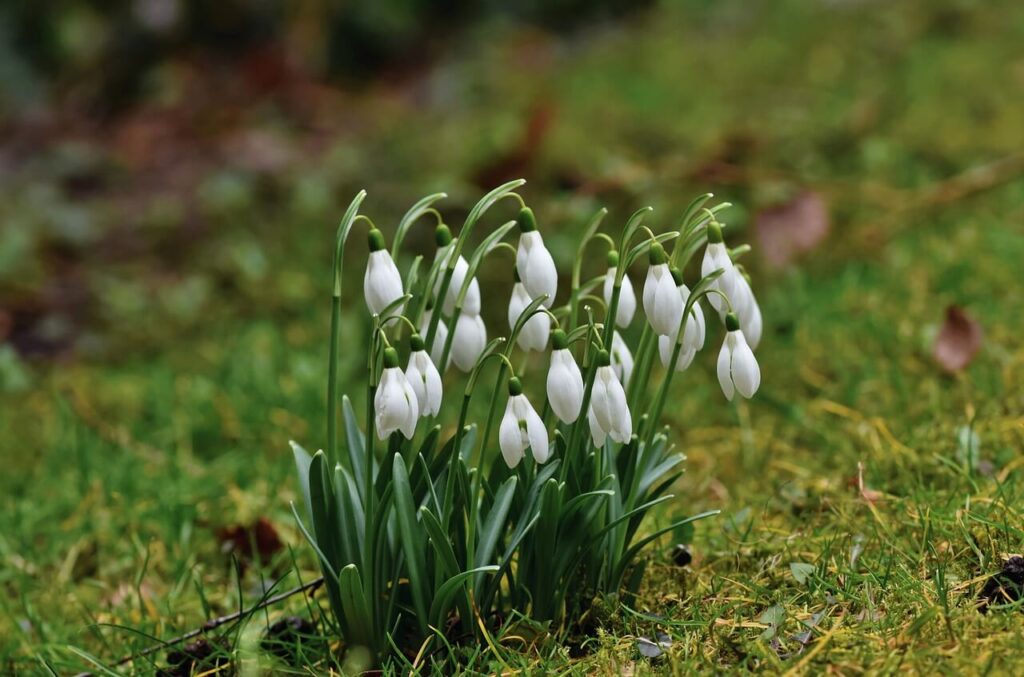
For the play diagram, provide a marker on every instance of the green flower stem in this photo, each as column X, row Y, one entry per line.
column 642, row 364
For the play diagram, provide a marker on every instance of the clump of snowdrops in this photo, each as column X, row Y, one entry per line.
column 431, row 528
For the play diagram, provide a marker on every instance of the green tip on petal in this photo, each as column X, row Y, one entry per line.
column 603, row 358
column 416, row 343
column 442, row 235
column 515, row 387
column 732, row 323
column 559, row 340
column 527, row 221
column 677, row 276
column 657, row 254
column 714, row 233
column 390, row 358
column 613, row 258
column 375, row 239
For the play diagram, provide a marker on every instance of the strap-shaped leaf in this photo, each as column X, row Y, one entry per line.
column 356, row 609
column 627, row 557
column 408, row 528
column 324, row 508
column 302, row 462
column 356, row 443
column 443, row 598
column 494, row 524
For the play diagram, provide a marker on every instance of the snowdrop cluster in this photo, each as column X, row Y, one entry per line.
column 573, row 391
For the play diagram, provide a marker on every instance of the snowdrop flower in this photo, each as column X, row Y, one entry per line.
column 609, row 413
column 622, row 360
column 382, row 284
column 424, row 378
column 565, row 381
column 534, row 264
column 627, row 297
column 747, row 310
column 716, row 256
column 534, row 334
column 440, row 335
column 395, row 404
column 661, row 298
column 737, row 366
column 521, row 427
column 469, row 341
column 471, row 302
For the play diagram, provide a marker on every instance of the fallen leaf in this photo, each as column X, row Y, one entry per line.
column 257, row 542
column 791, row 229
column 801, row 571
column 958, row 341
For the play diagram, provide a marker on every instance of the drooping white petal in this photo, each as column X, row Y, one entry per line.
column 471, row 302
column 537, row 433
column 599, row 398
column 627, row 297
column 536, row 267
column 425, row 381
column 622, row 420
column 565, row 386
column 716, row 256
column 510, row 438
column 751, row 324
column 746, row 374
column 440, row 336
column 469, row 341
column 382, row 283
column 622, row 359
column 534, row 334
column 725, row 368
column 665, row 353
column 661, row 300
column 395, row 406
column 597, row 433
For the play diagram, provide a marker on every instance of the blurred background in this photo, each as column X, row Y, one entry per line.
column 171, row 173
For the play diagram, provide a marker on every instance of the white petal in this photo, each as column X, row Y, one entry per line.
column 599, row 398
column 434, row 392
column 382, row 283
column 751, row 323
column 715, row 257
column 411, row 411
column 538, row 435
column 534, row 335
column 391, row 403
column 622, row 359
column 665, row 353
column 469, row 341
column 565, row 386
column 418, row 380
column 725, row 369
column 746, row 373
column 541, row 275
column 517, row 302
column 654, row 274
column 509, row 438
column 597, row 434
column 622, row 421
column 667, row 307
column 627, row 297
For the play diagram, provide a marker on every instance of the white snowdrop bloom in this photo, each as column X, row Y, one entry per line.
column 597, row 434
column 534, row 334
column 521, row 427
column 424, row 378
column 608, row 402
column 440, row 336
column 622, row 360
column 395, row 404
column 382, row 284
column 534, row 263
column 661, row 298
column 469, row 341
column 627, row 297
column 665, row 353
column 717, row 256
column 737, row 367
column 471, row 302
column 747, row 310
column 565, row 381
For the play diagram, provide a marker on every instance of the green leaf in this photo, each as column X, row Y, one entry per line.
column 356, row 609
column 627, row 557
column 324, row 508
column 356, row 444
column 801, row 571
column 408, row 527
column 494, row 524
column 443, row 598
column 302, row 463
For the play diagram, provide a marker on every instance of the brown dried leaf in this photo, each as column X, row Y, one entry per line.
column 958, row 341
column 791, row 229
column 257, row 542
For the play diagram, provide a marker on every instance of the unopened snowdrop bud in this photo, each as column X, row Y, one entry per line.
column 424, row 378
column 382, row 284
column 716, row 256
column 534, row 333
column 395, row 404
column 627, row 297
column 737, row 367
column 469, row 341
column 440, row 335
column 661, row 298
column 534, row 263
column 521, row 427
column 471, row 302
column 565, row 381
column 609, row 413
column 622, row 360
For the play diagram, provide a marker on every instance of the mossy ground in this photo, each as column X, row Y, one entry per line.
column 866, row 495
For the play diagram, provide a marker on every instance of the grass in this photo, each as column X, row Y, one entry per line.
column 857, row 529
